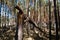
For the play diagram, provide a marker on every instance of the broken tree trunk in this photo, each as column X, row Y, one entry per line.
column 21, row 19
column 20, row 22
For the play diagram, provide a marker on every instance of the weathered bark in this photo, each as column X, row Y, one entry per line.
column 19, row 24
column 20, row 32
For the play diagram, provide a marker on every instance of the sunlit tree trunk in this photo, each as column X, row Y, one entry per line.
column 20, row 25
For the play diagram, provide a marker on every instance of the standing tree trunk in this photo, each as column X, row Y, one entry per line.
column 58, row 14
column 49, row 20
column 20, row 25
column 55, row 14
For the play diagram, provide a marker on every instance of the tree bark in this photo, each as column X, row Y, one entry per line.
column 49, row 20
column 55, row 14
